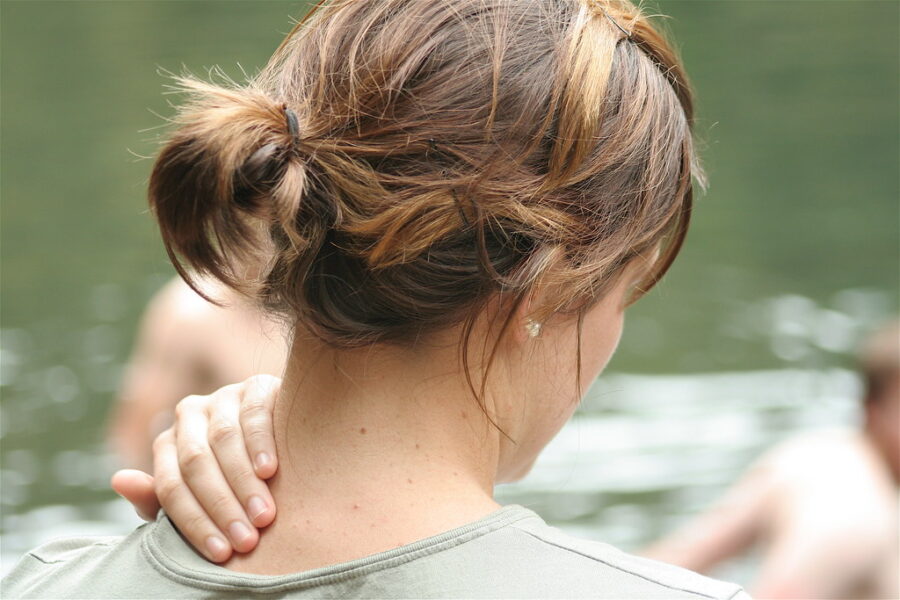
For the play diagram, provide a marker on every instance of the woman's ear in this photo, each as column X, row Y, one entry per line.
column 525, row 327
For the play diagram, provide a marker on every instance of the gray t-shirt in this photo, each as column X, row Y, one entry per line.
column 511, row 553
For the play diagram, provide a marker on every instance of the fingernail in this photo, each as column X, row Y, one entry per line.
column 238, row 532
column 262, row 459
column 256, row 507
column 217, row 547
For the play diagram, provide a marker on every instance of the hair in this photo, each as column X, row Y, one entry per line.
column 446, row 153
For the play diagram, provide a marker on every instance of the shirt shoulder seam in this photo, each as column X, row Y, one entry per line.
column 619, row 568
column 45, row 561
column 57, row 561
column 737, row 593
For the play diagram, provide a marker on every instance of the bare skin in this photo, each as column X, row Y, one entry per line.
column 389, row 441
column 185, row 346
column 385, row 441
column 823, row 504
column 824, row 508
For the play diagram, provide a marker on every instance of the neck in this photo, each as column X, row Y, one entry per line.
column 385, row 441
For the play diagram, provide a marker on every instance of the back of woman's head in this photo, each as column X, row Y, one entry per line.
column 399, row 162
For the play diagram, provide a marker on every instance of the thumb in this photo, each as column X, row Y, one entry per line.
column 137, row 487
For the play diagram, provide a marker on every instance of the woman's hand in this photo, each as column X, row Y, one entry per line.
column 204, row 476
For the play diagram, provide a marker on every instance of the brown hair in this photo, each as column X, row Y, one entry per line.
column 447, row 152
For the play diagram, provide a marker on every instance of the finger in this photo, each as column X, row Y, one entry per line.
column 227, row 442
column 137, row 487
column 257, row 405
column 180, row 504
column 201, row 472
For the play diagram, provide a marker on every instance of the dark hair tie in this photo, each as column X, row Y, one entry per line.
column 293, row 124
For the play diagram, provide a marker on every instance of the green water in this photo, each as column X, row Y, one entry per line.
column 792, row 254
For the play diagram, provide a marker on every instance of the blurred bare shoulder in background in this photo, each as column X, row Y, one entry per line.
column 186, row 345
column 821, row 506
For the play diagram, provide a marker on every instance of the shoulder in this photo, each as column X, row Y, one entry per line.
column 842, row 460
column 834, row 442
column 596, row 569
column 178, row 321
column 835, row 489
column 38, row 568
column 177, row 301
column 75, row 567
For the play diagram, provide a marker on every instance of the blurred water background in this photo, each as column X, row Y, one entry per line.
column 792, row 256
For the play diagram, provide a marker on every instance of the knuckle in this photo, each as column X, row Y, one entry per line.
column 254, row 405
column 257, row 434
column 232, row 389
column 221, row 431
column 244, row 481
column 197, row 524
column 191, row 457
column 263, row 382
column 224, row 398
column 221, row 505
column 259, row 387
column 187, row 404
column 255, row 418
column 167, row 490
column 253, row 402
column 162, row 440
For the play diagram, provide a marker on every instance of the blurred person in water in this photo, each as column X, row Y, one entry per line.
column 823, row 506
column 187, row 345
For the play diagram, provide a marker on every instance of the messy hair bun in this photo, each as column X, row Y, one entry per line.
column 398, row 162
column 231, row 168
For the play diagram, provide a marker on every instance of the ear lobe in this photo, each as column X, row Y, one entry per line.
column 520, row 321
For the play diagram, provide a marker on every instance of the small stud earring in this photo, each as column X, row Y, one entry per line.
column 533, row 328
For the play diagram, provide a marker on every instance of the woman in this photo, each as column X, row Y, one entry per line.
column 454, row 202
